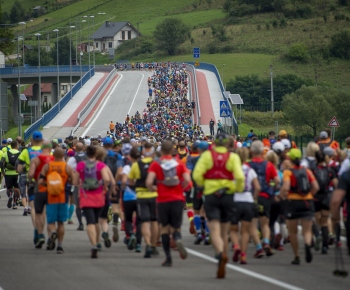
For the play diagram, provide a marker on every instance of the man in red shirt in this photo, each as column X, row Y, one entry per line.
column 172, row 176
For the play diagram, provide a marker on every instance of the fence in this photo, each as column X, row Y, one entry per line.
column 50, row 114
column 89, row 106
column 194, row 90
column 33, row 70
column 212, row 68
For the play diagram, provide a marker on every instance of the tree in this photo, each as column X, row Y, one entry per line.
column 17, row 12
column 340, row 44
column 6, row 38
column 32, row 57
column 63, row 51
column 170, row 34
column 308, row 107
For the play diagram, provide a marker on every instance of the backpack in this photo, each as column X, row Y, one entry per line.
column 54, row 183
column 79, row 158
column 12, row 157
column 303, row 185
column 260, row 169
column 169, row 168
column 90, row 176
column 111, row 162
column 144, row 171
column 182, row 155
column 322, row 175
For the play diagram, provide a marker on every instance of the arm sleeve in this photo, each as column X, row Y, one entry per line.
column 238, row 173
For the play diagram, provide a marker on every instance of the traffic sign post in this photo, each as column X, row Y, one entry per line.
column 225, row 109
column 196, row 52
column 333, row 123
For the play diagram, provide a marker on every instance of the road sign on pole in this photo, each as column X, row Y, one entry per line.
column 225, row 109
column 333, row 122
column 196, row 52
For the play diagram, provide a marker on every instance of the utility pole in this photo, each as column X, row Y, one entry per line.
column 272, row 99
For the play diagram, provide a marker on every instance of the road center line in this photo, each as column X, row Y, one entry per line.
column 246, row 272
column 103, row 105
column 137, row 91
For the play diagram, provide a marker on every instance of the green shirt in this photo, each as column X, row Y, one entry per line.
column 6, row 157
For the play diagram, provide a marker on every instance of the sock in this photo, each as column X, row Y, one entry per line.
column 266, row 241
column 315, row 230
column 324, row 236
column 78, row 213
column 70, row 211
column 197, row 223
column 190, row 214
column 115, row 218
column 206, row 226
column 166, row 245
column 59, row 244
column 284, row 230
column 258, row 247
column 176, row 236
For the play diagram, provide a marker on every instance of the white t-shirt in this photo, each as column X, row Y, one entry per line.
column 344, row 166
column 247, row 195
column 72, row 162
column 126, row 169
column 305, row 162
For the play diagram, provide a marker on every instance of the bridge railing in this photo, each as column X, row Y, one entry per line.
column 50, row 114
column 89, row 106
column 34, row 70
column 213, row 68
column 194, row 90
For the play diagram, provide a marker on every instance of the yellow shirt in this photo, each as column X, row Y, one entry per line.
column 4, row 149
column 233, row 164
column 135, row 173
column 24, row 157
column 6, row 157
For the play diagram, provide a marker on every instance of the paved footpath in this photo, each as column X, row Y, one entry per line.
column 24, row 267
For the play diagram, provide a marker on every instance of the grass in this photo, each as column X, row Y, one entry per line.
column 13, row 132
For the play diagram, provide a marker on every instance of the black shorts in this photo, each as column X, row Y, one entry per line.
column 300, row 209
column 31, row 190
column 198, row 199
column 219, row 208
column 322, row 202
column 11, row 181
column 266, row 203
column 68, row 189
column 104, row 211
column 40, row 199
column 189, row 197
column 170, row 213
column 243, row 211
column 147, row 209
column 92, row 214
column 115, row 197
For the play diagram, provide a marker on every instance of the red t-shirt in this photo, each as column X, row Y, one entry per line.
column 168, row 193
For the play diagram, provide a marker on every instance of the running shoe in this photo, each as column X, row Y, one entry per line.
column 52, row 244
column 318, row 243
column 122, row 228
column 198, row 239
column 267, row 250
column 48, row 243
column 70, row 221
column 80, row 228
column 172, row 244
column 308, row 254
column 94, row 253
column 106, row 239
column 115, row 234
column 207, row 240
column 277, row 241
column 132, row 242
column 154, row 251
column 40, row 241
column 243, row 260
column 259, row 254
column 14, row 206
column 148, row 252
column 221, row 266
column 99, row 247
column 338, row 244
column 331, row 239
column 324, row 251
column 296, row 261
column 182, row 250
column 29, row 210
column 59, row 250
column 25, row 212
column 280, row 248
column 138, row 248
column 9, row 202
column 236, row 254
column 167, row 263
column 192, row 229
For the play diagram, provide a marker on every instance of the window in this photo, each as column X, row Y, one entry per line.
column 96, row 44
column 123, row 35
column 110, row 44
column 129, row 34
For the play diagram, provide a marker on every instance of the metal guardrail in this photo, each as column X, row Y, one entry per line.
column 50, row 114
column 193, row 82
column 44, row 69
column 89, row 106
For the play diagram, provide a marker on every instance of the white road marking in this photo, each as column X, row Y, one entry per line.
column 138, row 88
column 247, row 272
column 104, row 103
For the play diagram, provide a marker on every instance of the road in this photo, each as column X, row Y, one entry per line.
column 24, row 267
column 128, row 95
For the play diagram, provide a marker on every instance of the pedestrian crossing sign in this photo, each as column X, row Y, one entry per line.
column 224, row 105
column 333, row 122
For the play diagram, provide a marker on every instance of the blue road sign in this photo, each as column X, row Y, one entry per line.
column 196, row 52
column 225, row 109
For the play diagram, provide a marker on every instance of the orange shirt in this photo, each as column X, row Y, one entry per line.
column 60, row 167
column 111, row 126
column 288, row 176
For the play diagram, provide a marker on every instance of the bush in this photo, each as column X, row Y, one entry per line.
column 267, row 26
column 283, row 22
column 298, row 52
column 274, row 23
column 212, row 48
column 227, row 48
column 340, row 45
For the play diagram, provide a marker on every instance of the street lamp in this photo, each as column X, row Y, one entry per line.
column 19, row 91
column 272, row 98
column 93, row 39
column 88, row 40
column 223, row 82
column 22, row 23
column 39, row 100
column 58, row 73
column 70, row 58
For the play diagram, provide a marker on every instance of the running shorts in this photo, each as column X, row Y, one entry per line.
column 189, row 197
column 243, row 211
column 266, row 203
column 219, row 207
column 147, row 209
column 170, row 213
column 92, row 214
column 11, row 181
column 40, row 199
column 115, row 197
column 56, row 212
column 300, row 209
column 198, row 199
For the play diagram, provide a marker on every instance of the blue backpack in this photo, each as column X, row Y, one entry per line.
column 260, row 169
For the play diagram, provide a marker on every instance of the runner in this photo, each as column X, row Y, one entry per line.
column 168, row 172
column 299, row 186
column 215, row 171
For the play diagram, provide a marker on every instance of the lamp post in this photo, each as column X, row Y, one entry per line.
column 19, row 91
column 58, row 73
column 39, row 100
column 93, row 39
column 272, row 98
column 70, row 58
column 88, row 42
column 22, row 23
column 223, row 82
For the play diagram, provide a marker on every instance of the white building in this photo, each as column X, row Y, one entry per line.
column 2, row 60
column 111, row 34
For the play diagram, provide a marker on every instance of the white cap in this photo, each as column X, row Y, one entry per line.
column 286, row 143
column 9, row 140
column 239, row 145
column 278, row 147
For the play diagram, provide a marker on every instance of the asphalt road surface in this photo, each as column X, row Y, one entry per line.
column 24, row 267
column 128, row 95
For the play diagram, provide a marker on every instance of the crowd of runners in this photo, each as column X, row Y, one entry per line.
column 144, row 173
